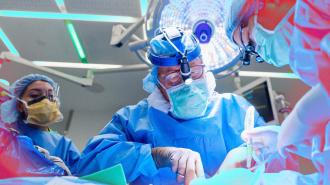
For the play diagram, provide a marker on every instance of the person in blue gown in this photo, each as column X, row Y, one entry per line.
column 181, row 131
column 33, row 107
column 294, row 33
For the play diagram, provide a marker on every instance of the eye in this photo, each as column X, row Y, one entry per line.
column 173, row 79
column 197, row 71
column 33, row 96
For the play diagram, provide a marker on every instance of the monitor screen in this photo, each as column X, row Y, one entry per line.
column 259, row 94
column 259, row 97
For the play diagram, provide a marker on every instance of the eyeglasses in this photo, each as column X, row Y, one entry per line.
column 174, row 78
column 36, row 94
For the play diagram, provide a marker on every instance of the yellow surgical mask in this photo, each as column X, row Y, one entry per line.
column 43, row 113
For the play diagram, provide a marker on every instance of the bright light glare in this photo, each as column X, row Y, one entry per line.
column 144, row 7
column 267, row 74
column 8, row 43
column 5, row 82
column 76, row 42
column 76, row 65
column 186, row 13
column 68, row 16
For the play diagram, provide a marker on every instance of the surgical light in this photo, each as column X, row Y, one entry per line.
column 8, row 43
column 76, row 41
column 203, row 30
column 267, row 74
column 75, row 65
column 204, row 18
column 61, row 5
column 144, row 7
column 67, row 16
column 5, row 82
column 73, row 34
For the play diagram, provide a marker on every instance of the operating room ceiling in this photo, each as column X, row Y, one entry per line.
column 48, row 40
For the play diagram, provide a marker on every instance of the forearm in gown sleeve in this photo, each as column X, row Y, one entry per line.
column 111, row 147
column 307, row 119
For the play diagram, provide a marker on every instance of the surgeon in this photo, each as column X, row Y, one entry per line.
column 295, row 33
column 33, row 107
column 183, row 130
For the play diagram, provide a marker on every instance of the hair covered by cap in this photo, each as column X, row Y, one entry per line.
column 19, row 86
column 170, row 45
column 9, row 112
column 159, row 46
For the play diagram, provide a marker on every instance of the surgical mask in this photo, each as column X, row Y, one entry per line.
column 42, row 112
column 274, row 45
column 189, row 101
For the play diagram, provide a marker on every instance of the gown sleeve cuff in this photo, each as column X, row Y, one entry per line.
column 148, row 168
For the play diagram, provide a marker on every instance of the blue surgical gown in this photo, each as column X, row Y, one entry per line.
column 56, row 144
column 19, row 157
column 134, row 130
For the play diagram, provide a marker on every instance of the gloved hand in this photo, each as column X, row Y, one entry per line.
column 186, row 163
column 43, row 151
column 264, row 139
column 58, row 161
column 236, row 158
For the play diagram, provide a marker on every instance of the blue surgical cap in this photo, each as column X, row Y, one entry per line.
column 236, row 12
column 164, row 52
column 161, row 47
column 150, row 81
column 9, row 112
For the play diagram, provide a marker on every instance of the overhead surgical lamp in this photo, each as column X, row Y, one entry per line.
column 205, row 19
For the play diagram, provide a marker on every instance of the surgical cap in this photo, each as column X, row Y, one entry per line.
column 9, row 112
column 161, row 48
column 236, row 12
column 150, row 81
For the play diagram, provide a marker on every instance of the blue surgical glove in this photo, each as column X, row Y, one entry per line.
column 186, row 163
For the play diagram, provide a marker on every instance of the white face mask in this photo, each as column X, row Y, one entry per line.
column 274, row 46
column 157, row 101
column 189, row 101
